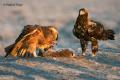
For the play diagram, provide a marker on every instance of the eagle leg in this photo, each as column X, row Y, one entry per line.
column 34, row 54
column 94, row 46
column 83, row 45
column 32, row 50
column 28, row 51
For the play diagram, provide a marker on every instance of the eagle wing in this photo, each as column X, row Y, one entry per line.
column 95, row 29
column 32, row 38
column 27, row 29
column 27, row 44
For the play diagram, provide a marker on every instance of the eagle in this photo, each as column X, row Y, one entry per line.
column 86, row 29
column 33, row 39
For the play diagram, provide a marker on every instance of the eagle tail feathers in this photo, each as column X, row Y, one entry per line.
column 8, row 49
column 109, row 34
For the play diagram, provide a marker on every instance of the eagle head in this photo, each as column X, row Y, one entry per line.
column 83, row 11
column 54, row 32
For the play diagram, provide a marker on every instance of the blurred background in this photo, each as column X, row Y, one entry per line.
column 15, row 14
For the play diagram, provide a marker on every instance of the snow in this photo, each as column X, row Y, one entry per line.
column 61, row 13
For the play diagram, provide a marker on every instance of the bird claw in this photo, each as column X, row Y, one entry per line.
column 93, row 54
column 83, row 54
column 34, row 54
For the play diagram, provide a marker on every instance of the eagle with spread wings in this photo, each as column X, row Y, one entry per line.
column 31, row 39
column 87, row 29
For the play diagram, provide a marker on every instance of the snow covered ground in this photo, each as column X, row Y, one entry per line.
column 104, row 67
column 61, row 13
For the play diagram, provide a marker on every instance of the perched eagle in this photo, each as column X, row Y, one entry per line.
column 86, row 30
column 33, row 37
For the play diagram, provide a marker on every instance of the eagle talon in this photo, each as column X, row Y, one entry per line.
column 34, row 54
column 83, row 54
column 93, row 54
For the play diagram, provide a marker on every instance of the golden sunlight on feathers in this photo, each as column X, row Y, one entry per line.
column 33, row 37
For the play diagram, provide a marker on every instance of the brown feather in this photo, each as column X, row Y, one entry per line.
column 31, row 38
column 86, row 30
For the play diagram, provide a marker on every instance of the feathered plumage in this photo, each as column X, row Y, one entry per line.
column 33, row 37
column 86, row 30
